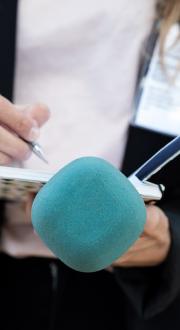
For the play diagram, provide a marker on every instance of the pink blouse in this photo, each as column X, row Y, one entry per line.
column 81, row 59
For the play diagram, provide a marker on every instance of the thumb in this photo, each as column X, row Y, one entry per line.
column 39, row 112
column 153, row 220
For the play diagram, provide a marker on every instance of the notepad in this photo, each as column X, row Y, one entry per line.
column 17, row 183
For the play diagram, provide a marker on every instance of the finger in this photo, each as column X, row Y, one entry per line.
column 149, row 257
column 137, row 260
column 22, row 125
column 141, row 244
column 5, row 159
column 157, row 222
column 144, row 254
column 12, row 146
column 152, row 219
column 39, row 112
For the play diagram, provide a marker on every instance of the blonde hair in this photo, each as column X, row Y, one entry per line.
column 169, row 13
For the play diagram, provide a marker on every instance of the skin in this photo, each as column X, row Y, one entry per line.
column 153, row 246
column 25, row 121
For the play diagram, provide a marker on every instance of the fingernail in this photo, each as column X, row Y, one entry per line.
column 33, row 134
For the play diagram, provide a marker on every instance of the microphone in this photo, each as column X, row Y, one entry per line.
column 88, row 214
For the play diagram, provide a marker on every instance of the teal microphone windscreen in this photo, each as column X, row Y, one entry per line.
column 88, row 214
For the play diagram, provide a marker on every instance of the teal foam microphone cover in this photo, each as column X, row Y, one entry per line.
column 88, row 214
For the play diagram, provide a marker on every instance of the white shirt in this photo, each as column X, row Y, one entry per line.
column 81, row 58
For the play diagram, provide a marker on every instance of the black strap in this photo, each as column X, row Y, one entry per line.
column 8, row 13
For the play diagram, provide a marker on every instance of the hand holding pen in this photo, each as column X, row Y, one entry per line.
column 19, row 128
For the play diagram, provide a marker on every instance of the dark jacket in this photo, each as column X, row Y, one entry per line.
column 40, row 293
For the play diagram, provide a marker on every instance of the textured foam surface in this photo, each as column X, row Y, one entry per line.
column 88, row 214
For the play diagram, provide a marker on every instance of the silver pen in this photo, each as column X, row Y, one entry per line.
column 36, row 148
